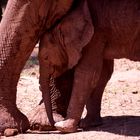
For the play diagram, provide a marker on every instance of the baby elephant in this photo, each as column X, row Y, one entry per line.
column 60, row 49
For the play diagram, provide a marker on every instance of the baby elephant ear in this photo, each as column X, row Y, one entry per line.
column 77, row 30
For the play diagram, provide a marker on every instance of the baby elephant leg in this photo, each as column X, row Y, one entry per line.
column 93, row 106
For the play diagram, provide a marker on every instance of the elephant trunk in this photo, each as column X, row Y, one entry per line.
column 45, row 88
column 47, row 101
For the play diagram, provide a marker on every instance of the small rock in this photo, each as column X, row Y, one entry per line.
column 33, row 73
column 135, row 92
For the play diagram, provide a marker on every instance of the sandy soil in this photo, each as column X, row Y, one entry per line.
column 120, row 106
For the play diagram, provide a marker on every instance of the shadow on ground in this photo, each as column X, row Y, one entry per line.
column 121, row 125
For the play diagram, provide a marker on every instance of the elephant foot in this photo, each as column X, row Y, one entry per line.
column 10, row 132
column 39, row 121
column 88, row 122
column 12, row 121
column 67, row 126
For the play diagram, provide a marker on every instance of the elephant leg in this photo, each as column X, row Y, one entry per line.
column 10, row 116
column 86, row 77
column 17, row 40
column 64, row 83
column 60, row 89
column 93, row 106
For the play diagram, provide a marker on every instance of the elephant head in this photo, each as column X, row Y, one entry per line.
column 23, row 23
column 61, row 47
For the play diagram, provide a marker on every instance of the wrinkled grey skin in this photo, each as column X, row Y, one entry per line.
column 116, row 35
column 22, row 25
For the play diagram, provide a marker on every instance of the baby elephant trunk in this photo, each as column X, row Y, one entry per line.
column 44, row 83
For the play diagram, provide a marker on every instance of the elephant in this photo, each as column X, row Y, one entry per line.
column 23, row 24
column 116, row 35
column 60, row 48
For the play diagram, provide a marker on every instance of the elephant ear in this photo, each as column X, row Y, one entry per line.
column 75, row 32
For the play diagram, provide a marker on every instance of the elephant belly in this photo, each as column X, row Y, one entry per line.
column 123, row 38
column 123, row 49
column 115, row 52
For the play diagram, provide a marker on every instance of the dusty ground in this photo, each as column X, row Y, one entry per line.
column 120, row 106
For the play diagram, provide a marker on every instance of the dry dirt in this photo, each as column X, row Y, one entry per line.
column 120, row 105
